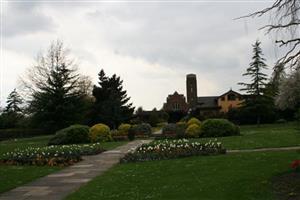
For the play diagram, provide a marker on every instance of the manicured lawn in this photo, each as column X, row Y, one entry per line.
column 10, row 145
column 112, row 145
column 233, row 177
column 13, row 176
column 264, row 136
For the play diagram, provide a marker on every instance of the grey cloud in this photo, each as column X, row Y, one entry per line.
column 201, row 38
column 180, row 35
column 25, row 18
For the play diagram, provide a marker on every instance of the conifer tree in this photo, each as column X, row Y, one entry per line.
column 256, row 101
column 12, row 113
column 13, row 103
column 55, row 97
column 111, row 101
column 278, row 75
column 254, row 71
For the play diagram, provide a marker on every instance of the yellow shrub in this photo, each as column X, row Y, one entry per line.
column 194, row 121
column 123, row 129
column 100, row 133
column 193, row 131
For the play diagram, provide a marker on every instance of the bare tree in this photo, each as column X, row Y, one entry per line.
column 85, row 85
column 285, row 22
column 37, row 77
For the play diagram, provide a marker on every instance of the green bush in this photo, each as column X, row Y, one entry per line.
column 182, row 125
column 173, row 131
column 169, row 129
column 193, row 131
column 21, row 133
column 118, row 136
column 114, row 132
column 131, row 134
column 75, row 134
column 218, row 128
column 123, row 129
column 100, row 133
column 141, row 129
column 162, row 124
column 194, row 121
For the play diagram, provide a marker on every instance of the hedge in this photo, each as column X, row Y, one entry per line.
column 6, row 134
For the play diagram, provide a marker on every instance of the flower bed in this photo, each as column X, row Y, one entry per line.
column 51, row 155
column 168, row 149
column 296, row 165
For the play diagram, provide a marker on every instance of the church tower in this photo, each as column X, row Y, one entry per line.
column 191, row 90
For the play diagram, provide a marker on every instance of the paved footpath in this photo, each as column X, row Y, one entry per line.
column 264, row 149
column 58, row 185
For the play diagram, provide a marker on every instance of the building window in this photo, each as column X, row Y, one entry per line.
column 176, row 106
column 223, row 98
column 231, row 97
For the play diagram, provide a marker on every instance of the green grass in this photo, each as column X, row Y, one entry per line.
column 236, row 176
column 112, row 145
column 10, row 145
column 14, row 176
column 264, row 136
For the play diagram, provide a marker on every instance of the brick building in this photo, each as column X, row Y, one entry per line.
column 176, row 102
column 203, row 104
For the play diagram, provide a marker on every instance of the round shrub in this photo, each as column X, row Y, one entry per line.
column 100, row 133
column 131, row 133
column 114, row 132
column 141, row 129
column 193, row 131
column 74, row 134
column 162, row 124
column 123, row 129
column 194, row 121
column 169, row 129
column 182, row 125
column 218, row 128
column 173, row 131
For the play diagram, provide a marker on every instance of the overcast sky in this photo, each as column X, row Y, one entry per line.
column 151, row 45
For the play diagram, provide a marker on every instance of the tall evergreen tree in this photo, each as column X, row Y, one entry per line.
column 278, row 75
column 111, row 101
column 256, row 101
column 254, row 71
column 56, row 100
column 12, row 113
column 13, row 103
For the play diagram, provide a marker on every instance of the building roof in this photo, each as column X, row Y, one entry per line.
column 231, row 91
column 208, row 101
column 191, row 75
